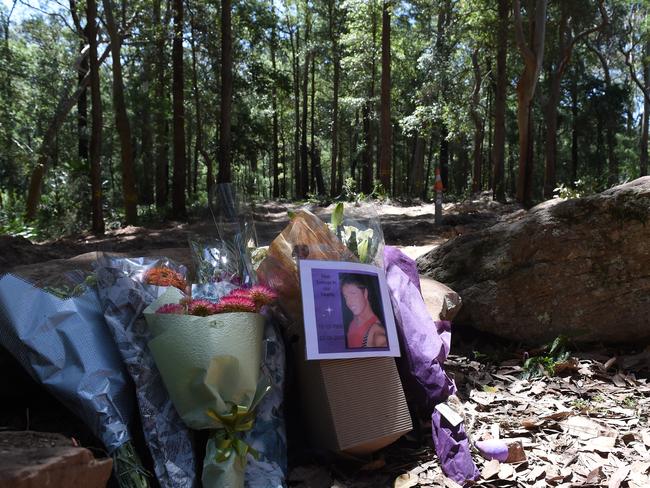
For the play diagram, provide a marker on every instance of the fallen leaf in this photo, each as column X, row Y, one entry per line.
column 491, row 469
column 536, row 473
column 561, row 415
column 645, row 435
column 618, row 477
column 585, row 428
column 595, row 476
column 601, row 444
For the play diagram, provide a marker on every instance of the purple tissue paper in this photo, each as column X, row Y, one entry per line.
column 425, row 346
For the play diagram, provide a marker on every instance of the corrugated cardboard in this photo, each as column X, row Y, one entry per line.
column 353, row 405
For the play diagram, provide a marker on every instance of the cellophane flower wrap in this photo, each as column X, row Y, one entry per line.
column 126, row 286
column 56, row 331
column 211, row 368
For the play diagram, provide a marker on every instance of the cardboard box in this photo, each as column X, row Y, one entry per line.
column 353, row 405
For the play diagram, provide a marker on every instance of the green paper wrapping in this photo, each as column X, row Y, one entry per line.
column 209, row 364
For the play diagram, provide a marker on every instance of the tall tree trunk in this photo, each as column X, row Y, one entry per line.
column 386, row 127
column 643, row 164
column 417, row 169
column 479, row 125
column 367, row 165
column 160, row 116
column 533, row 57
column 336, row 61
column 225, row 152
column 178, row 114
column 574, row 131
column 96, row 130
column 199, row 149
column 295, row 65
column 443, row 23
column 129, row 191
column 316, row 168
column 610, row 121
column 82, row 106
column 275, row 164
column 304, row 165
column 425, row 190
column 64, row 106
column 566, row 43
column 146, row 193
column 498, row 150
column 444, row 155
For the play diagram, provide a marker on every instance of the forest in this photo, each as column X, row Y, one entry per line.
column 118, row 113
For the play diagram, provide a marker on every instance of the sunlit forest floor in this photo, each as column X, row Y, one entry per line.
column 410, row 227
column 586, row 425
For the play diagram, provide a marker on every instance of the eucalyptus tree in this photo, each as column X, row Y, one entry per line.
column 532, row 53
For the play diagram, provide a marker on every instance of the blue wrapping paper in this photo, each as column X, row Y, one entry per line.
column 124, row 296
column 64, row 344
column 425, row 346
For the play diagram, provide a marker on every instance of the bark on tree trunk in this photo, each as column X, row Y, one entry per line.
column 178, row 114
column 643, row 164
column 304, row 165
column 66, row 102
column 275, row 164
column 417, row 170
column 146, row 193
column 82, row 106
column 386, row 128
column 160, row 121
column 225, row 156
column 498, row 150
column 533, row 57
column 566, row 43
column 199, row 149
column 479, row 126
column 444, row 155
column 96, row 130
column 316, row 169
column 612, row 163
column 335, row 188
column 295, row 64
column 367, row 161
column 574, row 132
column 129, row 191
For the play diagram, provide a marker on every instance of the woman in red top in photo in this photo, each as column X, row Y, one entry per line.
column 365, row 328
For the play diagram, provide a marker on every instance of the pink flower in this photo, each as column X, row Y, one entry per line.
column 175, row 308
column 201, row 308
column 235, row 304
column 262, row 295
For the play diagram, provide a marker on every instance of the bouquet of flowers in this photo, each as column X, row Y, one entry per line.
column 59, row 336
column 126, row 286
column 209, row 356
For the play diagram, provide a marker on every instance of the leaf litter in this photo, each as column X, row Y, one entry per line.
column 589, row 427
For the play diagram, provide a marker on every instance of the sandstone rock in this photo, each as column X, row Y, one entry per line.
column 42, row 460
column 577, row 267
column 442, row 302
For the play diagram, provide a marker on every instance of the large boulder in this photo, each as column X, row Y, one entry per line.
column 578, row 267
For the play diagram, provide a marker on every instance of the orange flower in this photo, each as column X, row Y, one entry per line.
column 162, row 276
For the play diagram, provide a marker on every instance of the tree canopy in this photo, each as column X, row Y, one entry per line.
column 116, row 113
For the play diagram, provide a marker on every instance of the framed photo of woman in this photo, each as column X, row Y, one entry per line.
column 347, row 311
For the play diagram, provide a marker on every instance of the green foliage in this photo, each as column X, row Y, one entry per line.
column 545, row 364
column 581, row 188
column 432, row 84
